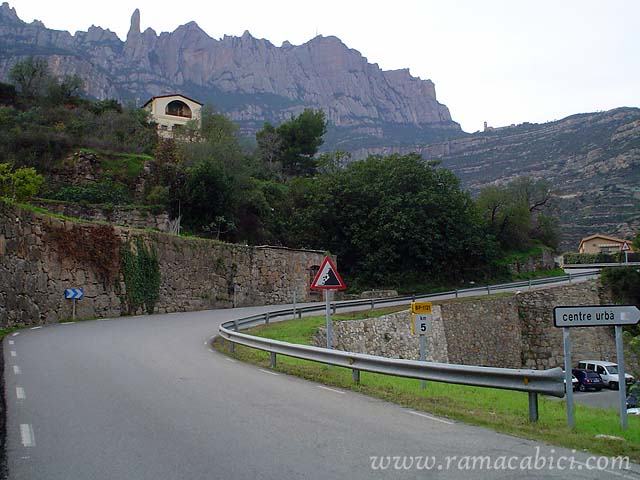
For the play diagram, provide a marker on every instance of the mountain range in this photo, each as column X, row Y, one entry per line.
column 592, row 160
column 249, row 79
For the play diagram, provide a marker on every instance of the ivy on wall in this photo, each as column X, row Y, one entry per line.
column 141, row 275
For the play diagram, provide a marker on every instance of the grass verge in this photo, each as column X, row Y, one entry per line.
column 501, row 410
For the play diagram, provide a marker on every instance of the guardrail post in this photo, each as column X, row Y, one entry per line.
column 373, row 304
column 413, row 297
column 335, row 308
column 456, row 293
column 232, row 347
column 266, row 318
column 488, row 290
column 300, row 313
column 273, row 359
column 533, row 407
column 529, row 284
column 355, row 375
column 569, row 277
column 235, row 325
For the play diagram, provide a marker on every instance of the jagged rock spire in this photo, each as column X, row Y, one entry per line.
column 135, row 24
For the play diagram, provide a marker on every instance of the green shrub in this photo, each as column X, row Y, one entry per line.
column 20, row 184
column 106, row 191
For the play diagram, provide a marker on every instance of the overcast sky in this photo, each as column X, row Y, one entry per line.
column 503, row 61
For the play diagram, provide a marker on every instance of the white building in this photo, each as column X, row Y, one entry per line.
column 172, row 112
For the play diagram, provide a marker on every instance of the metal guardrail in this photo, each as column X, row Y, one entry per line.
column 549, row 382
column 600, row 265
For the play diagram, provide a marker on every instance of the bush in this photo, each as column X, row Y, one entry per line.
column 21, row 184
column 106, row 191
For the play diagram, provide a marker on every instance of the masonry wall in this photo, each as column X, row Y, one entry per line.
column 483, row 332
column 513, row 331
column 388, row 336
column 542, row 343
column 118, row 215
column 195, row 274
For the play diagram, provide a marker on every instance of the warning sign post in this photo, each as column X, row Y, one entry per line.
column 328, row 279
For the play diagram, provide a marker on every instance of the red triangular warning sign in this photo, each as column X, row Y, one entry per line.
column 328, row 277
column 625, row 247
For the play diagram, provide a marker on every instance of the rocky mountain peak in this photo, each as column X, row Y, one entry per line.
column 249, row 79
column 9, row 14
column 134, row 30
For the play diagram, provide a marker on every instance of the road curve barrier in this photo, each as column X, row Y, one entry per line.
column 548, row 382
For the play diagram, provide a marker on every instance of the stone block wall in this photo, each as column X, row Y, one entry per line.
column 542, row 343
column 118, row 215
column 195, row 274
column 483, row 331
column 506, row 331
column 388, row 336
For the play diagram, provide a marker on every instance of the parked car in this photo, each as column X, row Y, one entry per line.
column 574, row 382
column 588, row 379
column 607, row 370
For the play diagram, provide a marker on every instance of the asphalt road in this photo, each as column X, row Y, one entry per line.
column 146, row 398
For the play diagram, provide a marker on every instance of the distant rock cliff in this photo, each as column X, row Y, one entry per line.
column 250, row 79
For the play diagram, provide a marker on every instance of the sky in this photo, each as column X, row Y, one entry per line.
column 500, row 61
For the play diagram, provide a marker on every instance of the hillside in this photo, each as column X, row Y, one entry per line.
column 592, row 161
column 250, row 79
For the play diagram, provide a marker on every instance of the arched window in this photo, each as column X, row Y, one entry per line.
column 178, row 109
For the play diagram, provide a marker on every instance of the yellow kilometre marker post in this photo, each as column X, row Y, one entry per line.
column 420, row 323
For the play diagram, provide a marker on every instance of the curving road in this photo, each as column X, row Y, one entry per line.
column 146, row 398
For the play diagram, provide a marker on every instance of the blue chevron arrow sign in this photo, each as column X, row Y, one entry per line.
column 74, row 293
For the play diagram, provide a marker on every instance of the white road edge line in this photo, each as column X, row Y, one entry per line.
column 66, row 323
column 35, row 328
column 27, row 436
column 14, row 334
column 13, row 353
column 11, row 342
column 270, row 373
column 331, row 389
column 20, row 393
column 232, row 360
column 16, row 370
column 430, row 417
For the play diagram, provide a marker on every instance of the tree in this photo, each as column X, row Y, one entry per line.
column 270, row 145
column 203, row 196
column 7, row 94
column 21, row 184
column 65, row 91
column 31, row 77
column 392, row 219
column 294, row 143
column 517, row 213
column 636, row 242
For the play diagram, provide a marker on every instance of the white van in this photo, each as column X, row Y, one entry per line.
column 607, row 370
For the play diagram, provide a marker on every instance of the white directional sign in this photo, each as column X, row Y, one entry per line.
column 596, row 315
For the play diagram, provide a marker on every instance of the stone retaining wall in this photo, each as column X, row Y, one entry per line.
column 506, row 331
column 195, row 274
column 118, row 215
